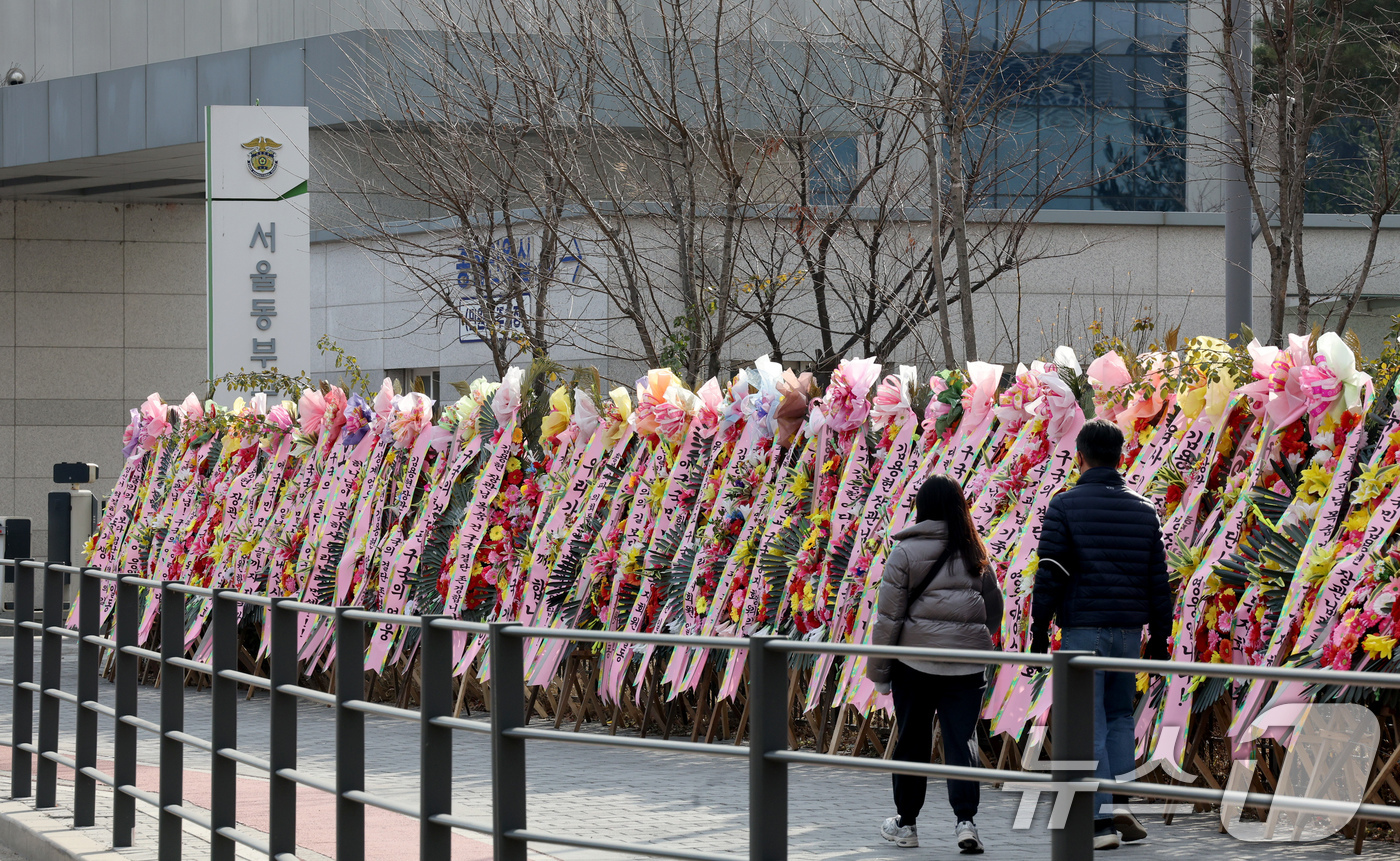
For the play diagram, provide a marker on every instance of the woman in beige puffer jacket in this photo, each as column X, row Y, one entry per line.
column 960, row 608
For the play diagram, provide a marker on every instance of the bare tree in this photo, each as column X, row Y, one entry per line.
column 930, row 119
column 455, row 144
column 681, row 153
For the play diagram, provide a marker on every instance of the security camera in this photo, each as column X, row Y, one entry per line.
column 14, row 77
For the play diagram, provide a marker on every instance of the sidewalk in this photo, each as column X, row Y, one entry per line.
column 679, row 801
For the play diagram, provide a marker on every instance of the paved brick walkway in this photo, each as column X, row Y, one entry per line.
column 677, row 800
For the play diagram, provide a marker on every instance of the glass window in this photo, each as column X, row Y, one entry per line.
column 1092, row 96
column 1067, row 27
column 1113, row 27
column 834, row 164
column 1162, row 26
column 1017, row 145
column 1067, row 81
column 1114, row 86
column 1156, row 80
column 1066, row 145
column 1016, row 23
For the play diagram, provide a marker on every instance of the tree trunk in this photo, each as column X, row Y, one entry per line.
column 1373, row 234
column 935, row 225
column 958, row 201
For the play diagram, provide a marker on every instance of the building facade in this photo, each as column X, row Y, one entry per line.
column 102, row 261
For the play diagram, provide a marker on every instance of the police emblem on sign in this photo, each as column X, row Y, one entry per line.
column 262, row 156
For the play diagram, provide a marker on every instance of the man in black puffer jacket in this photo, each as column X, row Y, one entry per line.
column 1102, row 577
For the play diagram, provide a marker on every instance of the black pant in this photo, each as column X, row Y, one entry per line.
column 957, row 700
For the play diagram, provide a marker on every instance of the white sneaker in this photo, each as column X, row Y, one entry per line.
column 1106, row 839
column 968, row 841
column 903, row 836
column 1129, row 827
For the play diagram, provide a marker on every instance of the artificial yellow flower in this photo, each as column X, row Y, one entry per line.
column 1378, row 646
column 623, row 402
column 1356, row 521
column 1323, row 560
column 809, row 597
column 701, row 605
column 497, row 533
column 1314, row 482
column 513, row 464
column 1373, row 483
column 560, row 411
column 658, row 491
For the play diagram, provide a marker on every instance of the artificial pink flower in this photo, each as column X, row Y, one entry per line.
column 157, row 423
column 334, row 418
column 311, row 412
column 192, row 408
column 711, row 399
column 384, row 400
column 414, row 415
column 280, row 418
column 846, row 404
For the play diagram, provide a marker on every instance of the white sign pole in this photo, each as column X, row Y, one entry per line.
column 259, row 243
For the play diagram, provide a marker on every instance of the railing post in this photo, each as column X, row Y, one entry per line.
column 223, row 728
column 50, row 678
column 124, row 734
column 349, row 736
column 435, row 742
column 172, row 719
column 507, row 754
column 1072, row 728
column 84, row 787
column 282, row 720
column 22, row 711
column 768, row 780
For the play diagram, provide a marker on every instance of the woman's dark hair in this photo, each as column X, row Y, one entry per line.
column 1101, row 443
column 941, row 498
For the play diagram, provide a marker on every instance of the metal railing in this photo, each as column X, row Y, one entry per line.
column 768, row 753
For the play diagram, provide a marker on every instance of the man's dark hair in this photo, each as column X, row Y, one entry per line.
column 1101, row 443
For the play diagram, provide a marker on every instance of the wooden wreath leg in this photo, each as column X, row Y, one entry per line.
column 589, row 696
column 743, row 723
column 836, row 730
column 652, row 704
column 1371, row 792
column 558, row 709
column 794, row 676
column 893, row 740
column 462, row 697
column 670, row 719
column 406, row 681
column 548, row 705
column 864, row 735
column 700, row 699
column 713, row 722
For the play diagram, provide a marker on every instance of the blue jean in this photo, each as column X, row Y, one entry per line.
column 1113, row 703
